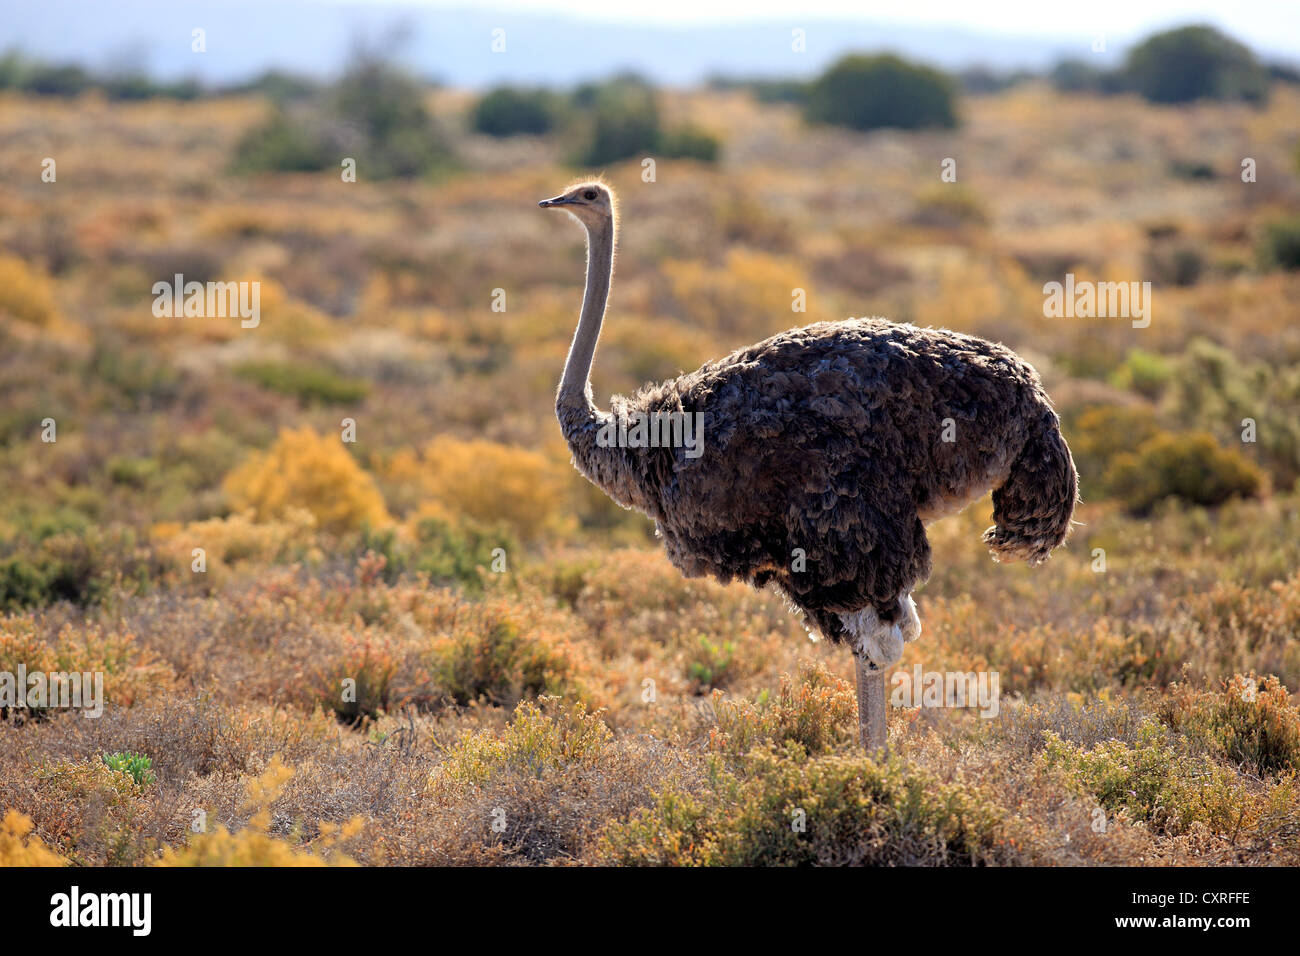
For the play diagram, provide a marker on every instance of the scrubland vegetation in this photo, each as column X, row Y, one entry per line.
column 533, row 682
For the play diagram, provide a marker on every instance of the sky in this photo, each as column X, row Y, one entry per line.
column 1267, row 22
column 560, row 42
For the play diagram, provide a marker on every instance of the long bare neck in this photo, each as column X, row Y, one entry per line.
column 574, row 386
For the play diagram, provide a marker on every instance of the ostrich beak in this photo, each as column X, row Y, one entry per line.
column 557, row 201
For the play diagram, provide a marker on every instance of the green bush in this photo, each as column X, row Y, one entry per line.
column 1188, row 466
column 401, row 139
column 57, row 80
column 509, row 111
column 1280, row 246
column 829, row 811
column 138, row 86
column 373, row 114
column 623, row 115
column 444, row 551
column 869, row 92
column 690, row 142
column 1150, row 780
column 284, row 144
column 79, row 567
column 309, row 383
column 1192, row 63
column 1147, row 373
column 490, row 657
column 1216, row 390
column 281, row 87
column 710, row 664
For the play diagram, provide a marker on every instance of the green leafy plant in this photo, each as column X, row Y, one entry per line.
column 137, row 765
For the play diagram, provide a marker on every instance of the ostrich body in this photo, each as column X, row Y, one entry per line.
column 825, row 451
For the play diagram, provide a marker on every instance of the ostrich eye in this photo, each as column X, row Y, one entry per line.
column 589, row 195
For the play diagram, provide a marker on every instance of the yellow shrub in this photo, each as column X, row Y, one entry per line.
column 240, row 538
column 307, row 471
column 25, row 294
column 752, row 293
column 17, row 850
column 539, row 739
column 488, row 482
column 253, row 845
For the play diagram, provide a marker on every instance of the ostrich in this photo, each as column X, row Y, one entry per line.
column 826, row 450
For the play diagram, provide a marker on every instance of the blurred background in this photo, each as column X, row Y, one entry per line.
column 386, row 432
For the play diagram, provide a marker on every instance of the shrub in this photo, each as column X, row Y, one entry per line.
column 82, row 567
column 371, row 668
column 280, row 86
column 304, row 470
column 308, row 383
column 1213, row 388
column 623, row 119
column 239, row 538
column 818, row 712
column 253, row 845
column 709, row 663
column 51, row 80
column 1249, row 721
column 129, row 672
column 1190, row 467
column 25, row 293
column 827, row 811
column 1280, row 246
column 1179, row 264
column 445, row 549
column 374, row 114
column 1078, row 76
column 285, row 143
column 869, row 92
column 1195, row 62
column 490, row 483
column 509, row 111
column 536, row 741
column 541, row 789
column 492, row 654
column 737, row 298
column 18, row 849
column 1150, row 780
column 690, row 142
column 400, row 137
column 948, row 206
column 1147, row 373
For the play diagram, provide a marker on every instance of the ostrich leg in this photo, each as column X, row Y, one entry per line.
column 872, row 727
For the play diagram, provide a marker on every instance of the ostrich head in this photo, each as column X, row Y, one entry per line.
column 591, row 203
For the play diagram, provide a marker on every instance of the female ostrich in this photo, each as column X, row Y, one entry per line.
column 825, row 451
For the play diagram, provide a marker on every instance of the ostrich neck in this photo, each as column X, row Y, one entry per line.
column 574, row 388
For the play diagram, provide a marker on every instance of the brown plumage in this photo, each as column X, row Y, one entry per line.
column 825, row 451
